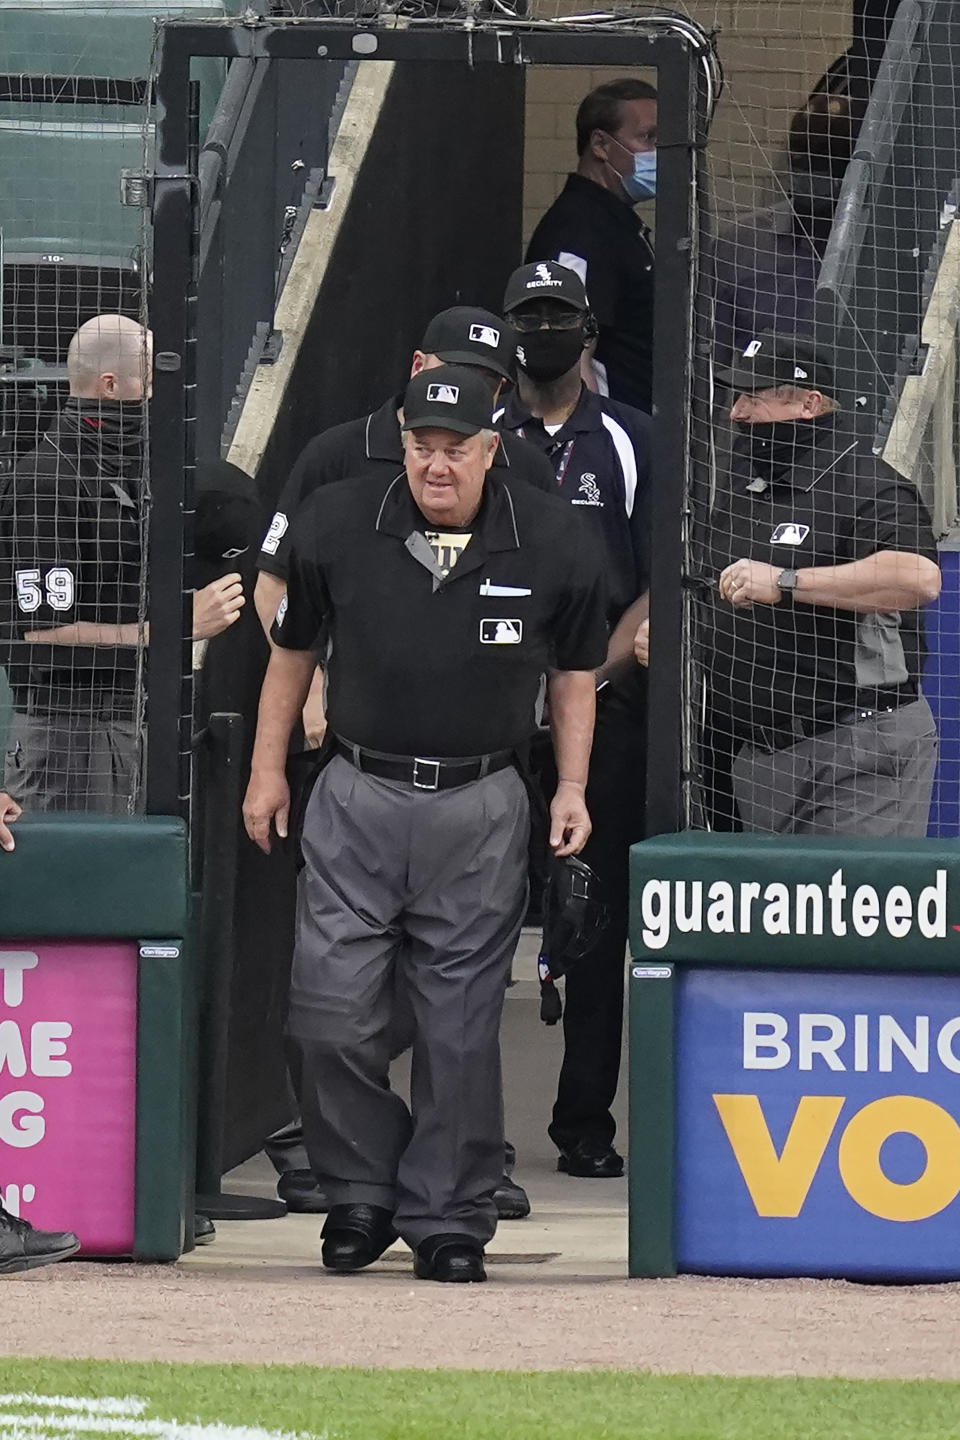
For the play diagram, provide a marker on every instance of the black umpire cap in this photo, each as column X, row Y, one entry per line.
column 544, row 281
column 227, row 522
column 227, row 511
column 773, row 360
column 465, row 335
column 448, row 397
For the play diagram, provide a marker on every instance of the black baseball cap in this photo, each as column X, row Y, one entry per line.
column 464, row 335
column 544, row 281
column 773, row 360
column 227, row 511
column 448, row 397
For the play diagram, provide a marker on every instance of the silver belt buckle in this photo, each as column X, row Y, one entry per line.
column 426, row 774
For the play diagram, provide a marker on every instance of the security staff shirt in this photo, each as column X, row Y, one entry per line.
column 604, row 240
column 431, row 664
column 601, row 463
column 770, row 664
column 370, row 448
column 70, row 550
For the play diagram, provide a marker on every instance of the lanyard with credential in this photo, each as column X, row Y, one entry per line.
column 560, row 468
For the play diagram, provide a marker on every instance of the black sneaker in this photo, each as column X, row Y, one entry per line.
column 23, row 1248
column 591, row 1160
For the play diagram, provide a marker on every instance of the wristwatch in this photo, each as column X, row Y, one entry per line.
column 787, row 584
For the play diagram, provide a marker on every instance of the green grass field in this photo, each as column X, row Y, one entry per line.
column 240, row 1402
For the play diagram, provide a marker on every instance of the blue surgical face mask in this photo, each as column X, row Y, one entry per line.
column 641, row 184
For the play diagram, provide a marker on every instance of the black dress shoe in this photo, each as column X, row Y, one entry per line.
column 23, row 1248
column 451, row 1258
column 591, row 1160
column 204, row 1230
column 301, row 1192
column 355, row 1236
column 511, row 1200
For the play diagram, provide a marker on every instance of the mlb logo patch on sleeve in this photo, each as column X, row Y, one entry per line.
column 501, row 632
column 790, row 534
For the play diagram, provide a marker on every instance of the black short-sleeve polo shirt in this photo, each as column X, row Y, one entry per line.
column 434, row 665
column 771, row 663
column 604, row 240
column 371, row 448
column 601, row 460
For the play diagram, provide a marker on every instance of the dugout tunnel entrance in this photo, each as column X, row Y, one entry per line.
column 429, row 214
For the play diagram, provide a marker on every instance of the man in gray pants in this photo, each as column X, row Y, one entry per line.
column 447, row 593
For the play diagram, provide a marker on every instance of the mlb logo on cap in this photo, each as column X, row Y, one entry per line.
column 444, row 394
column 771, row 360
column 485, row 335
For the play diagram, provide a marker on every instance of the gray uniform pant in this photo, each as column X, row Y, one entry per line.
column 84, row 761
column 873, row 777
column 412, row 897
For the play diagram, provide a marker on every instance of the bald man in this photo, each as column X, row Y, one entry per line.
column 71, row 578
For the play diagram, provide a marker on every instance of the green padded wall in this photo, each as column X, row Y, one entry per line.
column 95, row 876
column 86, row 877
column 791, row 901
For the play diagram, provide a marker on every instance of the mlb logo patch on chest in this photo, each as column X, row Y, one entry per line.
column 790, row 534
column 501, row 632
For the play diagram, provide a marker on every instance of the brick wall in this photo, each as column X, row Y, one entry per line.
column 772, row 54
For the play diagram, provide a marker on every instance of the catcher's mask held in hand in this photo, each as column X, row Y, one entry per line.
column 574, row 918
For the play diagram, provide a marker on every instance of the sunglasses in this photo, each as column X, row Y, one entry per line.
column 526, row 321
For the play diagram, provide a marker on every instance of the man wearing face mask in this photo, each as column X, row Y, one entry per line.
column 71, row 571
column 818, row 559
column 600, row 453
column 592, row 228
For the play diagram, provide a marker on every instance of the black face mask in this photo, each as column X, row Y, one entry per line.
column 548, row 354
column 108, row 432
column 775, row 444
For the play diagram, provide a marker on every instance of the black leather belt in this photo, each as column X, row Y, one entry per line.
column 422, row 773
column 870, row 703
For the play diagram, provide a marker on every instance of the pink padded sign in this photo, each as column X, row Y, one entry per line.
column 68, row 1087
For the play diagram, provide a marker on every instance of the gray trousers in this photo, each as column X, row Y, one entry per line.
column 874, row 777
column 84, row 761
column 416, row 898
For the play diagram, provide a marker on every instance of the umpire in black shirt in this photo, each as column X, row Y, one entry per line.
column 447, row 595
column 371, row 448
column 817, row 560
